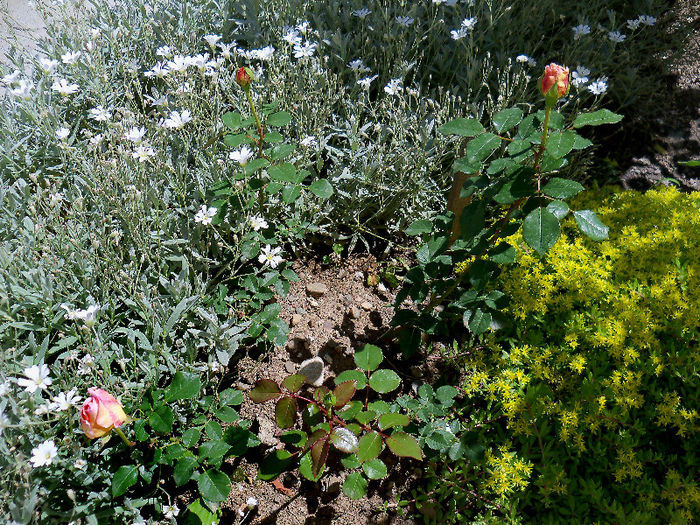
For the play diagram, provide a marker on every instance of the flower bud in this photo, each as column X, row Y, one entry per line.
column 101, row 413
column 554, row 83
column 244, row 77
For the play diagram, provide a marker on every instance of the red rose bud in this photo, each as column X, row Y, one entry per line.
column 554, row 83
column 244, row 77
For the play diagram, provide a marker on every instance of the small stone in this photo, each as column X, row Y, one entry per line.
column 313, row 370
column 346, row 299
column 290, row 345
column 297, row 319
column 301, row 311
column 290, row 367
column 359, row 276
column 367, row 305
column 313, row 302
column 354, row 312
column 381, row 288
column 316, row 289
column 328, row 326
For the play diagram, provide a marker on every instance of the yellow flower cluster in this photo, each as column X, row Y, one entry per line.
column 506, row 471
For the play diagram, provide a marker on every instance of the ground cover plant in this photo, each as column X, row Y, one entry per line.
column 161, row 165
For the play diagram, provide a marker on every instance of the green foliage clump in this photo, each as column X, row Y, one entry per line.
column 596, row 383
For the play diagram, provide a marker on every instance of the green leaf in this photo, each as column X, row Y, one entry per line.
column 596, row 118
column 369, row 357
column 504, row 253
column 273, row 137
column 232, row 120
column 541, row 230
column 562, row 188
column 281, row 118
column 290, row 194
column 393, row 420
column 370, row 446
column 305, row 467
column 204, row 515
column 321, row 188
column 366, row 416
column 404, row 445
column 582, row 143
column 280, row 151
column 478, row 321
column 352, row 375
column 284, row 172
column 471, row 221
column 183, row 386
column 214, row 485
column 384, row 381
column 343, row 393
column 319, row 451
column 256, row 165
column 351, row 410
column 419, row 227
column 560, row 143
column 482, row 146
column 558, row 208
column 126, row 476
column 294, row 437
column 274, row 464
column 689, row 163
column 213, row 430
column 467, row 166
column 231, row 396
column 234, row 141
column 294, row 382
column 191, row 437
column 264, row 390
column 464, row 127
column 286, row 412
column 213, row 450
column 589, row 223
column 350, row 461
column 162, row 419
column 183, row 470
column 507, row 119
column 344, row 440
column 375, row 469
column 446, row 393
column 355, row 486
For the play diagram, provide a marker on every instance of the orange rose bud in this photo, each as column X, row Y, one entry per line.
column 555, row 81
column 244, row 77
column 101, row 413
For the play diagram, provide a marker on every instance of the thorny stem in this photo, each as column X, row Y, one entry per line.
column 543, row 145
column 261, row 195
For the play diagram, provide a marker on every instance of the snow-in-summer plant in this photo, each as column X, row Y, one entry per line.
column 358, row 428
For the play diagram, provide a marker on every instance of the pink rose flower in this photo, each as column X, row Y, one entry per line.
column 555, row 75
column 101, row 413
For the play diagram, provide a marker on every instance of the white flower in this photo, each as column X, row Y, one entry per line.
column 580, row 75
column 365, row 82
column 469, row 23
column 139, row 520
column 160, row 70
column 135, row 134
column 5, row 387
column 48, row 65
column 11, row 78
column 616, row 36
column 269, row 256
column 186, row 87
column 86, row 365
column 580, row 30
column 23, row 89
column 242, row 156
column 257, row 223
column 143, row 153
column 100, row 114
column 647, row 20
column 524, row 58
column 55, row 198
column 80, row 464
column 71, row 57
column 404, row 20
column 97, row 139
column 633, row 24
column 170, row 511
column 37, row 376
column 226, row 49
column 62, row 133
column 599, row 87
column 198, row 61
column 308, row 141
column 306, row 49
column 205, row 215
column 361, row 13
column 65, row 400
column 303, row 27
column 164, row 51
column 177, row 120
column 264, row 53
column 358, row 65
column 4, row 422
column 251, row 502
column 43, row 454
column 212, row 40
column 42, row 409
column 292, row 37
column 393, row 87
column 178, row 63
column 64, row 87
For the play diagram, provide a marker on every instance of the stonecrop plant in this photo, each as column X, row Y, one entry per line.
column 358, row 428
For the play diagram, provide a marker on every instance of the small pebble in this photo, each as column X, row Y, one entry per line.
column 367, row 305
column 354, row 312
column 316, row 289
column 296, row 319
column 290, row 367
column 313, row 302
column 359, row 276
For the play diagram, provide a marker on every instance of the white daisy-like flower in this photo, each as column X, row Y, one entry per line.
column 42, row 409
column 36, row 377
column 48, row 65
column 64, row 87
column 177, row 120
column 292, row 37
column 226, row 49
column 199, row 61
column 4, row 422
column 270, row 256
column 5, row 387
column 263, row 54
column 580, row 30
column 647, row 20
column 159, row 70
column 633, row 24
column 212, row 40
column 361, row 13
column 43, row 454
column 170, row 511
column 62, row 133
column 23, row 89
column 469, row 23
column 164, row 51
column 257, row 223
column 580, row 75
column 79, row 464
column 96, row 140
column 365, row 82
column 599, row 87
column 86, row 365
column 393, row 87
column 11, row 78
column 526, row 59
column 89, row 315
column 143, row 153
column 303, row 27
column 100, row 114
column 71, row 57
column 64, row 401
column 405, row 21
column 242, row 156
column 205, row 215
column 306, row 49
column 308, row 141
column 251, row 502
column 178, row 63
column 616, row 36
column 358, row 65
column 135, row 134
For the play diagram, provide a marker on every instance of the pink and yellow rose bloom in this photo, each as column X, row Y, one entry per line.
column 101, row 413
